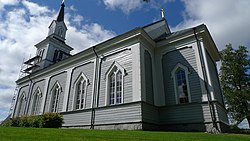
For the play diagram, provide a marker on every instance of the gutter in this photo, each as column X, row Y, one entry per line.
column 210, row 104
column 96, row 85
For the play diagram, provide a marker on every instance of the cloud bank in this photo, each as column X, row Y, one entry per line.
column 228, row 20
column 22, row 26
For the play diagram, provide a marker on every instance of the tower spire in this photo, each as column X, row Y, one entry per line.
column 61, row 13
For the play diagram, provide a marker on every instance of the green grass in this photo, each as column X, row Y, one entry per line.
column 43, row 134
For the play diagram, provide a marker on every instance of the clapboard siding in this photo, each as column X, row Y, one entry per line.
column 88, row 71
column 214, row 79
column 125, row 60
column 150, row 113
column 185, row 57
column 122, row 113
column 77, row 118
column 61, row 79
column 185, row 113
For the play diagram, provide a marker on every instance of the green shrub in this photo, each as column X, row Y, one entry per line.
column 37, row 122
column 52, row 120
column 48, row 120
column 15, row 122
column 25, row 121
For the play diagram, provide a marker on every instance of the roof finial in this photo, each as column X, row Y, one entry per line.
column 162, row 14
column 62, row 1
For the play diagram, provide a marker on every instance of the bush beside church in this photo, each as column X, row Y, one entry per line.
column 48, row 120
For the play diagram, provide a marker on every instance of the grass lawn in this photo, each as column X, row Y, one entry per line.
column 36, row 134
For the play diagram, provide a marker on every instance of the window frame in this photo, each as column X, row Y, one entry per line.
column 55, row 90
column 173, row 75
column 21, row 105
column 109, row 72
column 81, row 78
column 36, row 102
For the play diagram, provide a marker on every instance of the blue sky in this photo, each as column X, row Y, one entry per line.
column 24, row 23
column 119, row 20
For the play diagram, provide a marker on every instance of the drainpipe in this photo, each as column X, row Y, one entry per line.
column 96, row 87
column 210, row 104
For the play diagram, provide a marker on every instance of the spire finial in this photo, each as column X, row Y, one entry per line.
column 162, row 13
column 61, row 13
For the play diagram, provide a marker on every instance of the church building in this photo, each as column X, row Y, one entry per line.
column 148, row 78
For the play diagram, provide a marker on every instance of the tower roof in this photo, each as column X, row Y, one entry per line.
column 61, row 13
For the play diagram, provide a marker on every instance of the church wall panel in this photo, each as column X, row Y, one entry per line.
column 37, row 84
column 123, row 113
column 186, row 57
column 125, row 60
column 24, row 88
column 61, row 79
column 185, row 113
column 88, row 71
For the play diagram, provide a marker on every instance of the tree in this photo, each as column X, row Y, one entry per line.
column 235, row 81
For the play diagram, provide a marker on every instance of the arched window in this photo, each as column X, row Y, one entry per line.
column 181, row 83
column 80, row 92
column 37, row 96
column 114, row 78
column 21, row 105
column 55, row 98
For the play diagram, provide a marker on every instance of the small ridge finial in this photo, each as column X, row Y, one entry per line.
column 162, row 13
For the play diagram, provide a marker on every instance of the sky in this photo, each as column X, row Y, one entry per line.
column 24, row 23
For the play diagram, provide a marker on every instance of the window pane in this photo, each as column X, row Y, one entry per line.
column 78, row 96
column 119, row 87
column 112, row 89
column 55, row 100
column 182, row 86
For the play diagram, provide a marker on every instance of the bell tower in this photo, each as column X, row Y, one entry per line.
column 57, row 27
column 52, row 49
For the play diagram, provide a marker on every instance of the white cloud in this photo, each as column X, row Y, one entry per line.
column 25, row 24
column 7, row 2
column 227, row 20
column 35, row 9
column 126, row 6
column 129, row 6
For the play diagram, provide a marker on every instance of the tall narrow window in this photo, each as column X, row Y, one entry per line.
column 36, row 102
column 115, row 89
column 80, row 94
column 55, row 98
column 182, row 86
column 119, row 87
column 114, row 80
column 21, row 106
column 180, row 76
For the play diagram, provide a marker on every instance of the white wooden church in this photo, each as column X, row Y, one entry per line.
column 148, row 78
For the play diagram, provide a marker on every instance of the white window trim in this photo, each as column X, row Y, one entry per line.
column 107, row 74
column 51, row 96
column 37, row 93
column 84, row 77
column 20, row 108
column 187, row 79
